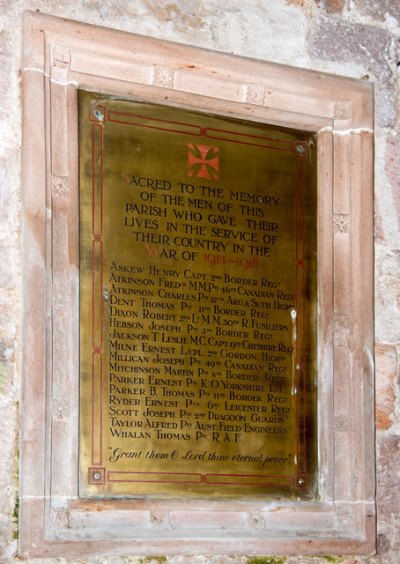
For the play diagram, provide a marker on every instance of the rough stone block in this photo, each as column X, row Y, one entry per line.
column 371, row 47
column 388, row 475
column 387, row 267
column 334, row 6
column 388, row 197
column 380, row 10
column 386, row 370
column 7, row 78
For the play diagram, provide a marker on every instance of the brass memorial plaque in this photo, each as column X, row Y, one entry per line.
column 197, row 303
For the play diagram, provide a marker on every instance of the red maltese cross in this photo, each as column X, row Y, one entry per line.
column 203, row 161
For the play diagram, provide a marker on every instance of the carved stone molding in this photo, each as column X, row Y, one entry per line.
column 61, row 408
column 340, row 112
column 60, row 187
column 164, row 77
column 255, row 94
column 341, row 222
column 61, row 56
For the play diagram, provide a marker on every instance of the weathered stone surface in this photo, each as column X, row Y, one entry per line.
column 372, row 48
column 8, row 442
column 334, row 6
column 388, row 465
column 5, row 5
column 380, row 10
column 383, row 544
column 388, row 194
column 186, row 13
column 388, row 540
column 387, row 295
column 386, row 363
column 6, row 65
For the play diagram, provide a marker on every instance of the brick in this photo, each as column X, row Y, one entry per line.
column 370, row 47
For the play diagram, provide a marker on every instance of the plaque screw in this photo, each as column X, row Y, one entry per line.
column 99, row 115
column 300, row 149
column 301, row 482
column 96, row 476
column 106, row 295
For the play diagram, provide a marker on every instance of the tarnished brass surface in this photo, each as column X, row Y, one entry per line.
column 198, row 303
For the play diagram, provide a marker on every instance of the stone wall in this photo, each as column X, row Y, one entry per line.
column 357, row 38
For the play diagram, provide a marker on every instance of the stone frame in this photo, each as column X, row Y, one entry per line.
column 58, row 58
